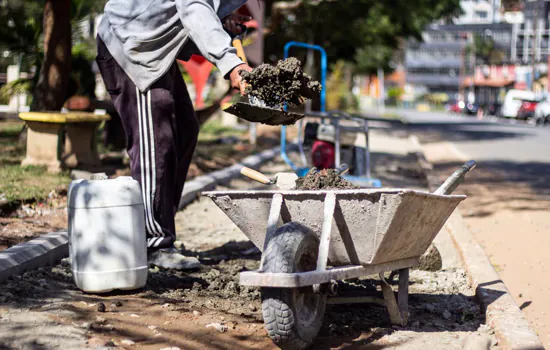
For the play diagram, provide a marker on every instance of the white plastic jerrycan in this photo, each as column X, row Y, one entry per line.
column 107, row 234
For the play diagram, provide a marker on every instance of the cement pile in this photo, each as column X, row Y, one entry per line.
column 326, row 179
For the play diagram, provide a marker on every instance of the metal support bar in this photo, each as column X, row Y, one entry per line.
column 309, row 278
column 337, row 145
column 274, row 214
column 391, row 303
column 403, row 294
column 367, row 151
column 324, row 242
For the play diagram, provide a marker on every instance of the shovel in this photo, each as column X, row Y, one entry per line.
column 256, row 111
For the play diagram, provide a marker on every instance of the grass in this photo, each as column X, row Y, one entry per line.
column 213, row 129
column 23, row 183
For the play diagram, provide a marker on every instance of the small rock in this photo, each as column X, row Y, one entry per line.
column 152, row 328
column 108, row 327
column 429, row 307
column 231, row 325
column 165, row 305
column 222, row 318
column 446, row 314
column 196, row 313
column 99, row 319
column 134, row 315
column 252, row 307
column 101, row 307
column 86, row 325
column 416, row 324
column 218, row 326
column 127, row 342
column 520, row 295
column 172, row 348
column 97, row 342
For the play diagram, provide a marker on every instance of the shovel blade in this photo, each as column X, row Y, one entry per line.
column 264, row 115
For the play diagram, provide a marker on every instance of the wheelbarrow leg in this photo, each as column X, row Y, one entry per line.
column 398, row 310
column 403, row 294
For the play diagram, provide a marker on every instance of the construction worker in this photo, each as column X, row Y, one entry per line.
column 138, row 43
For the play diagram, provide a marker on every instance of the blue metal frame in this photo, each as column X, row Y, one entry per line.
column 284, row 155
column 363, row 181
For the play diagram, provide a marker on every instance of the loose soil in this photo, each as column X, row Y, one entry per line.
column 284, row 83
column 325, row 179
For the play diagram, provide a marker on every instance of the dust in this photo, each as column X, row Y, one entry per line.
column 284, row 83
column 326, row 179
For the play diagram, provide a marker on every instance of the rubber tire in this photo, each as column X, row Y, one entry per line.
column 293, row 248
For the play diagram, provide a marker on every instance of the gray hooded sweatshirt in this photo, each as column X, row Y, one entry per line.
column 146, row 36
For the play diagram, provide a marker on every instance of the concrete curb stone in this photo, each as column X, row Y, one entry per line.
column 42, row 251
column 502, row 314
column 50, row 248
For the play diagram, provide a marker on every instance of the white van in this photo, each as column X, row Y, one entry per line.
column 513, row 100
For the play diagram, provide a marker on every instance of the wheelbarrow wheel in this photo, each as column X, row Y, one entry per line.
column 292, row 316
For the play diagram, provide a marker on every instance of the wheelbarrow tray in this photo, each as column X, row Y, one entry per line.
column 379, row 227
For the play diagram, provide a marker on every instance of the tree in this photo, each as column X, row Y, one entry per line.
column 50, row 91
column 365, row 32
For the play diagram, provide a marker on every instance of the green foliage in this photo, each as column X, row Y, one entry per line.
column 339, row 94
column 486, row 51
column 365, row 32
column 394, row 95
column 16, row 87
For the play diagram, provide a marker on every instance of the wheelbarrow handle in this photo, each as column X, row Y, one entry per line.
column 456, row 178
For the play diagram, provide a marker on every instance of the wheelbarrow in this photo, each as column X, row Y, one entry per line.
column 311, row 239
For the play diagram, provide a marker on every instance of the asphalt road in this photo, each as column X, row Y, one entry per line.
column 486, row 140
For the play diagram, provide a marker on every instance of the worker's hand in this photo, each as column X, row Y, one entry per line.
column 237, row 81
column 231, row 23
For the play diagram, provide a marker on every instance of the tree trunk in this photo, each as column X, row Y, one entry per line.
column 50, row 91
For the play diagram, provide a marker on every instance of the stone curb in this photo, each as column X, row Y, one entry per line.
column 207, row 182
column 502, row 314
column 50, row 248
column 42, row 251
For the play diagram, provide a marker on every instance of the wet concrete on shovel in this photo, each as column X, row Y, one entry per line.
column 284, row 83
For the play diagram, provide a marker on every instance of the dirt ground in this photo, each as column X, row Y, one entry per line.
column 42, row 309
column 510, row 220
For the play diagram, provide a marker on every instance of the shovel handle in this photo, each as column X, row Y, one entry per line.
column 256, row 176
column 238, row 45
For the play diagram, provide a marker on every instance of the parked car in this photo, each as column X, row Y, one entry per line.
column 527, row 109
column 471, row 108
column 542, row 112
column 512, row 102
column 492, row 108
column 455, row 106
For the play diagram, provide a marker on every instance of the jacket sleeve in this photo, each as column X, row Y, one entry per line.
column 205, row 29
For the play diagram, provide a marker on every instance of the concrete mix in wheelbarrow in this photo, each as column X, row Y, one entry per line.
column 326, row 179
